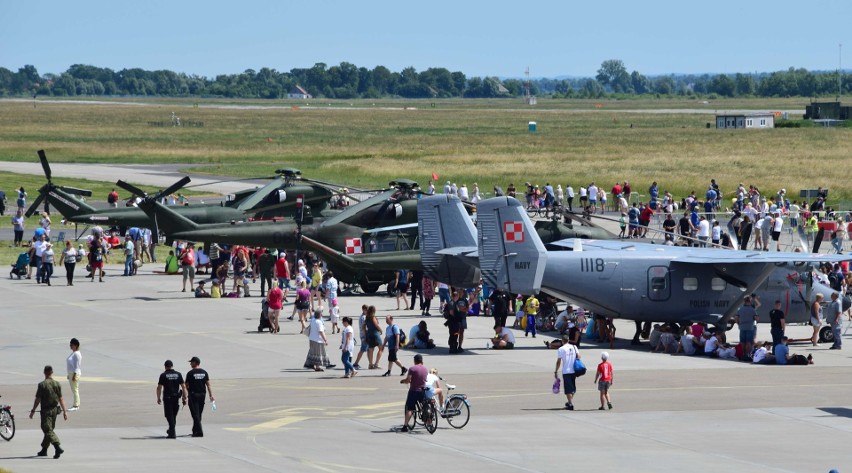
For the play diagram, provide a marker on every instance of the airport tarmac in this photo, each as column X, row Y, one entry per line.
column 671, row 412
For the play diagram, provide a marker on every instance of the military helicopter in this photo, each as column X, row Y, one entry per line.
column 636, row 281
column 275, row 198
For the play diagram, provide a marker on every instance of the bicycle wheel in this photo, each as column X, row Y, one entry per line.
column 430, row 417
column 7, row 425
column 532, row 211
column 457, row 404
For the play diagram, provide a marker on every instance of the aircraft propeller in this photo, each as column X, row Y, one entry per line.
column 42, row 192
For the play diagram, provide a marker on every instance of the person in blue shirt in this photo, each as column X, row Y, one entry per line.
column 782, row 352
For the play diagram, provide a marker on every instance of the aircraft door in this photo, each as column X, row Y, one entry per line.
column 659, row 283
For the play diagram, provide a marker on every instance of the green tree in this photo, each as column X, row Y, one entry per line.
column 744, row 83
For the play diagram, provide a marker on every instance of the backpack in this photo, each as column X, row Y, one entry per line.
column 402, row 337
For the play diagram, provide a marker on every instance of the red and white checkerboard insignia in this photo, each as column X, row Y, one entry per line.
column 353, row 246
column 513, row 232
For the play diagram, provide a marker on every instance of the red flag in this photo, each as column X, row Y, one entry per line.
column 434, row 177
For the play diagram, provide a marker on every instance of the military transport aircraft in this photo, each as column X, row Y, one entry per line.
column 276, row 198
column 641, row 282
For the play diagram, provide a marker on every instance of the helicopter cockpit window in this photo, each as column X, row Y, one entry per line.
column 690, row 284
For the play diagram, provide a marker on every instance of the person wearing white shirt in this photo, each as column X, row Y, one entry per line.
column 433, row 387
column 463, row 192
column 569, row 193
column 593, row 197
column 703, row 231
column 503, row 339
column 716, row 232
column 567, row 354
column 73, row 364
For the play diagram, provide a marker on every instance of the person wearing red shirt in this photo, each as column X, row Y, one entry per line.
column 275, row 299
column 282, row 273
column 645, row 219
column 603, row 378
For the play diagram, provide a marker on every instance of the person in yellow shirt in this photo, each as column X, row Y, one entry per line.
column 215, row 291
column 531, row 309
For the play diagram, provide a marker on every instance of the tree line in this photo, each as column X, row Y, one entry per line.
column 347, row 81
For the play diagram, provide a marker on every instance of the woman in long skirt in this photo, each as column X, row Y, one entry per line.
column 317, row 358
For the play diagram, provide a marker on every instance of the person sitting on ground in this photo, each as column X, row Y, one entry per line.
column 563, row 319
column 667, row 342
column 171, row 263
column 215, row 290
column 504, row 339
column 761, row 354
column 711, row 344
column 200, row 291
column 688, row 344
column 654, row 338
column 419, row 337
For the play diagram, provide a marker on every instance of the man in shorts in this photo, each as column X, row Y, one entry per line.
column 566, row 355
column 503, row 339
column 416, row 381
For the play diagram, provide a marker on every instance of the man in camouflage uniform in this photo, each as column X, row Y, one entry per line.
column 49, row 395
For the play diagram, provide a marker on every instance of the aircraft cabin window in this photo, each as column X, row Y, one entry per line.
column 658, row 284
column 690, row 284
column 718, row 284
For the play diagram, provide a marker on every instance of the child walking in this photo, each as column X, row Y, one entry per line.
column 603, row 378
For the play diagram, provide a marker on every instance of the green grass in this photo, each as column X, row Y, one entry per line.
column 466, row 141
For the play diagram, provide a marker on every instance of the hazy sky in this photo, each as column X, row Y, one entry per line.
column 552, row 37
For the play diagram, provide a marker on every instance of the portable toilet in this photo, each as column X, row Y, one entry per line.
column 532, row 127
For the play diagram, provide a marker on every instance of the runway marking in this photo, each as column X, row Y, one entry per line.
column 322, row 388
column 270, row 425
column 100, row 379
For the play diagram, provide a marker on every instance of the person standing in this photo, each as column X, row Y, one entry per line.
column 73, row 364
column 778, row 324
column 47, row 259
column 2, row 203
column 566, row 355
column 128, row 255
column 416, row 381
column 833, row 313
column 282, row 273
column 198, row 387
column 18, row 227
column 69, row 259
column 416, row 288
column 816, row 317
column 49, row 396
column 317, row 358
column 187, row 265
column 275, row 299
column 392, row 336
column 746, row 318
column 531, row 310
column 500, row 302
column 603, row 378
column 569, row 195
column 112, row 198
column 171, row 389
column 347, row 346
column 266, row 269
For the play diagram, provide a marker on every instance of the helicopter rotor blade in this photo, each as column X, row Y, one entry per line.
column 257, row 178
column 34, row 207
column 44, row 164
column 172, row 188
column 74, row 190
column 131, row 188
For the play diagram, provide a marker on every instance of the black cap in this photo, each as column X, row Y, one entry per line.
column 195, row 359
column 168, row 364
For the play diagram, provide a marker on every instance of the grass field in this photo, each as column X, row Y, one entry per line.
column 367, row 143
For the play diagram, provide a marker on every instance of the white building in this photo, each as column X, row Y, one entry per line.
column 746, row 120
column 298, row 92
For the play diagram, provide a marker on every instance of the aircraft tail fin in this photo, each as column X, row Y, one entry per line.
column 165, row 219
column 67, row 205
column 511, row 255
column 447, row 241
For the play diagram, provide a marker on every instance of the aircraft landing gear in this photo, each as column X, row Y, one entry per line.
column 636, row 335
column 826, row 335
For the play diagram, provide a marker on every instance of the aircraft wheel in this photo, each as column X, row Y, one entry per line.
column 369, row 288
column 826, row 335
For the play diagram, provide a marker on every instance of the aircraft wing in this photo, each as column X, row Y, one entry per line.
column 695, row 255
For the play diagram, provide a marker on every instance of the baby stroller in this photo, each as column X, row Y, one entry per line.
column 19, row 267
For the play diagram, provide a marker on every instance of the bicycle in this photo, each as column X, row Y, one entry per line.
column 7, row 422
column 456, row 409
column 425, row 414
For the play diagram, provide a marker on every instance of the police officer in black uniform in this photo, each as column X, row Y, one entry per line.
column 198, row 386
column 170, row 389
